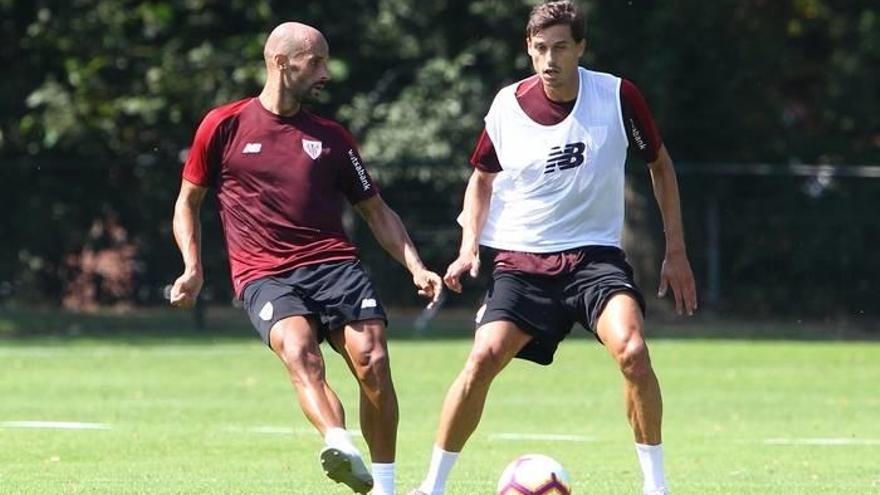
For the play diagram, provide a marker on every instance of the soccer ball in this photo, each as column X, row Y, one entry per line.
column 534, row 474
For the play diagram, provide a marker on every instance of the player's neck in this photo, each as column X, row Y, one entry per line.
column 276, row 100
column 565, row 92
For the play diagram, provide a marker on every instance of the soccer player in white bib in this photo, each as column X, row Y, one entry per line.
column 546, row 202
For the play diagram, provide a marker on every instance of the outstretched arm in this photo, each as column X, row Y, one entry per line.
column 476, row 209
column 188, row 234
column 676, row 270
column 392, row 235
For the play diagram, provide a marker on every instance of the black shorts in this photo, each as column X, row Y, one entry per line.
column 546, row 307
column 332, row 294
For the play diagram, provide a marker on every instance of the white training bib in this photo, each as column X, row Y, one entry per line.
column 562, row 186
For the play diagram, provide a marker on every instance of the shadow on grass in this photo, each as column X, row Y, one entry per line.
column 156, row 326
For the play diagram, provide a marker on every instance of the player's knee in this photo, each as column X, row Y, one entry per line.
column 302, row 364
column 483, row 365
column 635, row 363
column 372, row 367
column 292, row 349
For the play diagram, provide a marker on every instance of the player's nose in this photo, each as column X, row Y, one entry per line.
column 324, row 75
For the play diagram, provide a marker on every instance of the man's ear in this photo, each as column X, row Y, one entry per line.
column 281, row 61
column 582, row 47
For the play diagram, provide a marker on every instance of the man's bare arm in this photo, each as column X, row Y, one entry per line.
column 676, row 270
column 477, row 197
column 392, row 235
column 188, row 235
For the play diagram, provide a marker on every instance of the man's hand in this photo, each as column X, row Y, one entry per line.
column 186, row 289
column 466, row 262
column 429, row 285
column 676, row 272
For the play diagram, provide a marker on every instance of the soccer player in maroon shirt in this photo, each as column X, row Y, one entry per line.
column 556, row 143
column 281, row 174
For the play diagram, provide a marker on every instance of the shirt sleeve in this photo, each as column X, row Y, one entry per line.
column 354, row 180
column 641, row 130
column 204, row 156
column 484, row 157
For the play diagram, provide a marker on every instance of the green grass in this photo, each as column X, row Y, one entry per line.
column 183, row 413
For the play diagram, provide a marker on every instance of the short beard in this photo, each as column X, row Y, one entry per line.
column 308, row 96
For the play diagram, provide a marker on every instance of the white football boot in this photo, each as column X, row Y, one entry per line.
column 348, row 469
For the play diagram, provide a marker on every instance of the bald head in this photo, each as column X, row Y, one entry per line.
column 296, row 58
column 291, row 39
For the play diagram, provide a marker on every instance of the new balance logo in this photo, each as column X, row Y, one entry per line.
column 252, row 148
column 571, row 156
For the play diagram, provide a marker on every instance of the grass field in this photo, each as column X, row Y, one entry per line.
column 209, row 414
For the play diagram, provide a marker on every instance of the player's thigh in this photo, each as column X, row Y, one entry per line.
column 295, row 340
column 271, row 300
column 364, row 348
column 532, row 305
column 361, row 340
column 604, row 275
column 621, row 324
column 498, row 342
column 346, row 299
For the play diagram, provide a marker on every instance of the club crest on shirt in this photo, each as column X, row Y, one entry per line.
column 312, row 148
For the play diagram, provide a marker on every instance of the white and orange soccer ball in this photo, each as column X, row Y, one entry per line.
column 534, row 474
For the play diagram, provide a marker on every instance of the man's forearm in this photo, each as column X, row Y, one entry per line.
column 389, row 230
column 188, row 234
column 666, row 193
column 476, row 210
column 401, row 246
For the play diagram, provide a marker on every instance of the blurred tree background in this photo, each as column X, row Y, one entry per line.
column 100, row 99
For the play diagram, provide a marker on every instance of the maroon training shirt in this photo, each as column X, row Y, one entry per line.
column 641, row 131
column 280, row 184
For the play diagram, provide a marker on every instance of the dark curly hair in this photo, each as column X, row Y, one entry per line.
column 559, row 12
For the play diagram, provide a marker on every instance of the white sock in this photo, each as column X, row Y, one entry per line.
column 441, row 463
column 651, row 460
column 383, row 477
column 340, row 438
